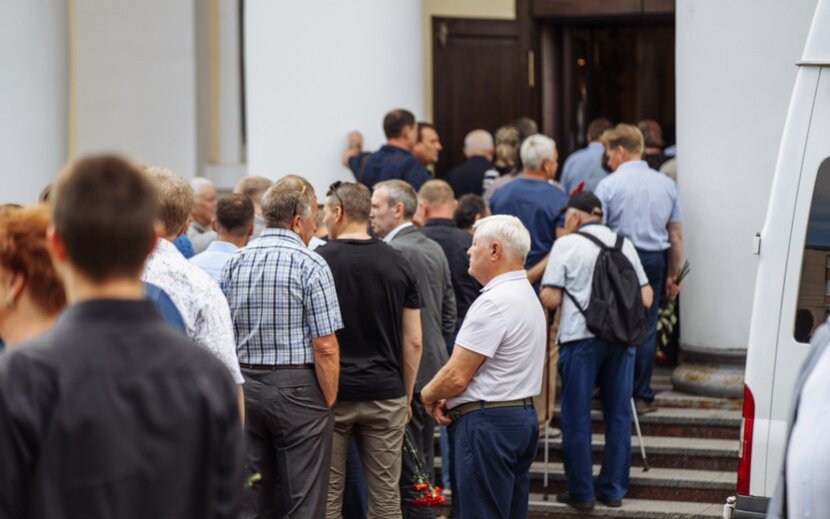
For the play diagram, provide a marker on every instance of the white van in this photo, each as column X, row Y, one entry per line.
column 792, row 291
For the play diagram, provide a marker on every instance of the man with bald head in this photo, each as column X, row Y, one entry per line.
column 469, row 177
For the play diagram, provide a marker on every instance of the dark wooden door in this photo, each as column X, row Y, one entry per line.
column 483, row 77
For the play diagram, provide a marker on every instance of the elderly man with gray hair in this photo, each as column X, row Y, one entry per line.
column 200, row 233
column 285, row 314
column 393, row 205
column 485, row 392
column 469, row 177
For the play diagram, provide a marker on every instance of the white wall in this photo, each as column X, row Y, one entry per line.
column 136, row 81
column 735, row 74
column 33, row 96
column 316, row 69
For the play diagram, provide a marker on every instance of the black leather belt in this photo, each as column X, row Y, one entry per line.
column 459, row 411
column 272, row 367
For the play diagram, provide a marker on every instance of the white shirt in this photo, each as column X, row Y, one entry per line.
column 506, row 324
column 204, row 309
column 571, row 267
column 395, row 231
column 808, row 454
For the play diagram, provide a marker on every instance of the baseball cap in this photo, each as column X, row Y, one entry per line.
column 585, row 201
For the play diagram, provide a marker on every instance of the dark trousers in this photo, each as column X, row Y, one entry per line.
column 582, row 365
column 355, row 501
column 654, row 263
column 288, row 431
column 422, row 430
column 494, row 449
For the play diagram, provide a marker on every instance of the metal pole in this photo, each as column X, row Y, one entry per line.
column 639, row 435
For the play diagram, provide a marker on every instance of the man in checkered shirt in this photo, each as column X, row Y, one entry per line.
column 285, row 313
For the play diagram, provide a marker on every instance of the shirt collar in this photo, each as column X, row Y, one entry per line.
column 440, row 222
column 222, row 246
column 396, row 230
column 281, row 234
column 166, row 247
column 633, row 165
column 513, row 275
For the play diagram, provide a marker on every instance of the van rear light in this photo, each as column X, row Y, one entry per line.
column 747, row 422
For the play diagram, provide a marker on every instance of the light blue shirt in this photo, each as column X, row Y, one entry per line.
column 639, row 203
column 584, row 165
column 213, row 259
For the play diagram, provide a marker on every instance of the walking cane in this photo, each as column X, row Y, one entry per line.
column 639, row 435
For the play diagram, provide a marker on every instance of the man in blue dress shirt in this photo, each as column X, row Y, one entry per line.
column 585, row 165
column 642, row 205
column 234, row 224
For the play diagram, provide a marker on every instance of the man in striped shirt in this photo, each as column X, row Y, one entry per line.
column 285, row 313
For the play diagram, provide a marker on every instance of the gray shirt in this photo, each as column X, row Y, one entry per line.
column 438, row 311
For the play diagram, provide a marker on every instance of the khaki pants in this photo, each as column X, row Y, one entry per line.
column 549, row 374
column 378, row 427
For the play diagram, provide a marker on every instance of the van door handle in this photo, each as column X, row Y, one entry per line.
column 756, row 244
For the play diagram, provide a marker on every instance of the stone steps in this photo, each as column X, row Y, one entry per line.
column 679, row 422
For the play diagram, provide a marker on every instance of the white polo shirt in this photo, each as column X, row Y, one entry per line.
column 506, row 324
column 571, row 267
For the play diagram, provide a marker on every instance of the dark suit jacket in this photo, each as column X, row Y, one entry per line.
column 113, row 413
column 455, row 244
column 821, row 339
column 468, row 177
column 438, row 312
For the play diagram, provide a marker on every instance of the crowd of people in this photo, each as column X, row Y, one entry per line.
column 172, row 350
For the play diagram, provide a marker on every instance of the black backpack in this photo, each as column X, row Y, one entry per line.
column 615, row 311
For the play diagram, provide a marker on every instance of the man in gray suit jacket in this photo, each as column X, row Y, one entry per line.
column 804, row 459
column 393, row 205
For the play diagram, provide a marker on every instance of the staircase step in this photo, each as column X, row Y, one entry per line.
column 659, row 483
column 540, row 508
column 665, row 451
column 684, row 400
column 705, row 486
column 679, row 422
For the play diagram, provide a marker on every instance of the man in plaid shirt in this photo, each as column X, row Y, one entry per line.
column 285, row 313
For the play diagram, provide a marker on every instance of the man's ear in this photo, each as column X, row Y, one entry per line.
column 55, row 246
column 213, row 224
column 250, row 229
column 184, row 227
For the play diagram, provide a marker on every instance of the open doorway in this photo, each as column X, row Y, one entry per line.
column 624, row 71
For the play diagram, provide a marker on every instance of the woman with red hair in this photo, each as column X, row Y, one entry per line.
column 31, row 293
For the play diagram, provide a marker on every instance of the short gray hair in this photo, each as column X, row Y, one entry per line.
column 478, row 142
column 508, row 231
column 536, row 149
column 197, row 183
column 400, row 192
column 289, row 196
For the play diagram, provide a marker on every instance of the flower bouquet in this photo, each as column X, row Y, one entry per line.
column 667, row 315
column 429, row 494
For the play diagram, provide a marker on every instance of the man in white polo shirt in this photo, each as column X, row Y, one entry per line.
column 586, row 361
column 486, row 389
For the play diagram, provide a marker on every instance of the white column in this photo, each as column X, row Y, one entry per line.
column 33, row 96
column 735, row 74
column 137, row 89
column 316, row 69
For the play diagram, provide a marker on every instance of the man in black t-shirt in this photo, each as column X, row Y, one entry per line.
column 380, row 349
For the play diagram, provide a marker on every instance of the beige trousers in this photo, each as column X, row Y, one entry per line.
column 549, row 375
column 378, row 427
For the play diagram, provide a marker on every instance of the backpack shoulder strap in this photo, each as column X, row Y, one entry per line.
column 594, row 239
column 618, row 246
column 573, row 300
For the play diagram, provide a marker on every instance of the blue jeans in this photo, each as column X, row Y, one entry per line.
column 494, row 449
column 355, row 501
column 654, row 263
column 582, row 365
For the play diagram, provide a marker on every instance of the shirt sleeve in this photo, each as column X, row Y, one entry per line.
column 214, row 329
column 321, row 305
column 676, row 213
column 483, row 329
column 554, row 275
